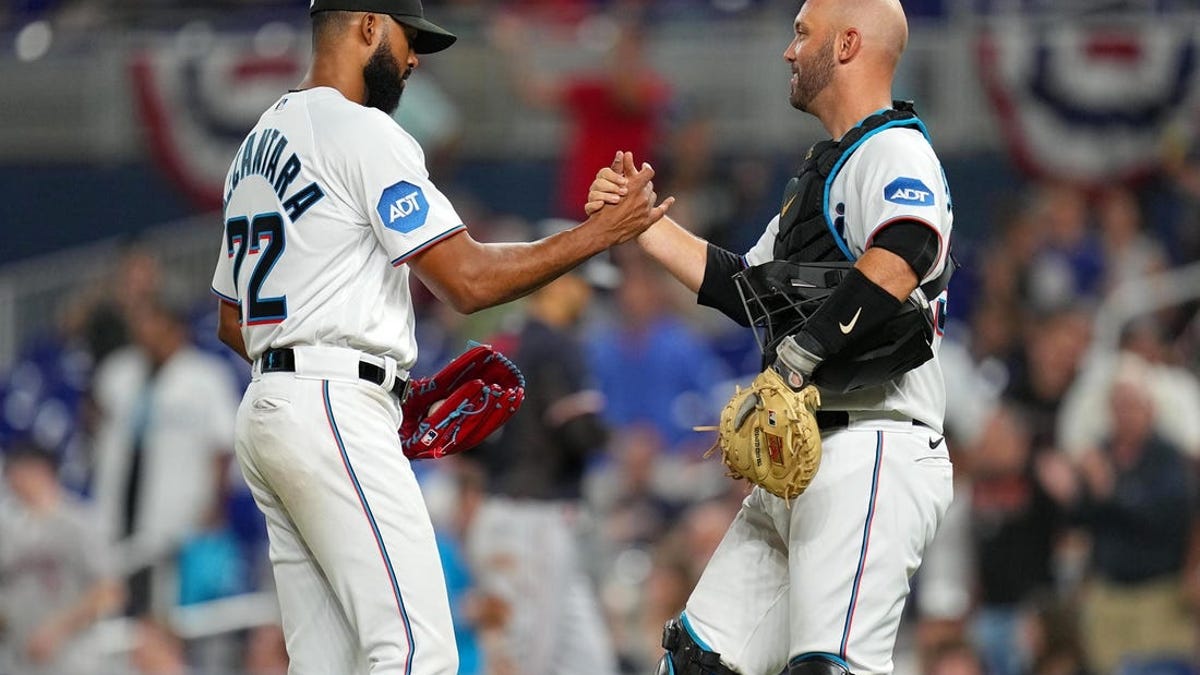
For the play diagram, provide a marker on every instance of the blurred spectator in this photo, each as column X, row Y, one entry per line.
column 1130, row 254
column 163, row 450
column 1084, row 421
column 522, row 544
column 1015, row 522
column 472, row 611
column 44, row 399
column 56, row 574
column 943, row 589
column 662, row 591
column 1052, row 633
column 955, row 658
column 1054, row 347
column 631, row 493
column 1069, row 265
column 661, row 595
column 137, row 280
column 619, row 107
column 703, row 189
column 1182, row 168
column 976, row 362
column 654, row 368
column 1136, row 499
column 266, row 653
column 157, row 650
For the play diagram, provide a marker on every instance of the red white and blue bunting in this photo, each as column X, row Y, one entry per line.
column 198, row 104
column 1089, row 101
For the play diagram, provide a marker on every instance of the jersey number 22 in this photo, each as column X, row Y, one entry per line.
column 238, row 231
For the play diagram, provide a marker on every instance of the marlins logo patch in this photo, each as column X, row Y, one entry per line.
column 403, row 207
column 908, row 191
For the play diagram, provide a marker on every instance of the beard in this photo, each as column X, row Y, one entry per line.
column 812, row 77
column 384, row 79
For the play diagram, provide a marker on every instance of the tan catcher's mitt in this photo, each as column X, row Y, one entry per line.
column 769, row 435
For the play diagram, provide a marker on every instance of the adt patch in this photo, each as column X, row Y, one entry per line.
column 908, row 191
column 403, row 207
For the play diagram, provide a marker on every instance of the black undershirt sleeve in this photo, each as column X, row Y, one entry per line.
column 718, row 289
column 916, row 242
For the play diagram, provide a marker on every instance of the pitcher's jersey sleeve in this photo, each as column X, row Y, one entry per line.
column 222, row 283
column 894, row 176
column 385, row 178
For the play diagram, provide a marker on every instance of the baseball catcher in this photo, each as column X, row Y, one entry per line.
column 455, row 409
column 769, row 433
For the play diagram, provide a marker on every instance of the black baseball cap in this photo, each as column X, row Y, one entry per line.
column 430, row 36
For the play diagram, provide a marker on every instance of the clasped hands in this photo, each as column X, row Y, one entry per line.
column 614, row 182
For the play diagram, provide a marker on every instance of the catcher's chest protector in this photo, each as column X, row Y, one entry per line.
column 806, row 233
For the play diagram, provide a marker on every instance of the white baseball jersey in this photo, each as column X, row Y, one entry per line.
column 894, row 175
column 324, row 202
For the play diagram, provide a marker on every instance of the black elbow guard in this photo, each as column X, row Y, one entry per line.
column 718, row 289
column 856, row 307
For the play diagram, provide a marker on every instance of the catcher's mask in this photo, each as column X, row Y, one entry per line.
column 780, row 297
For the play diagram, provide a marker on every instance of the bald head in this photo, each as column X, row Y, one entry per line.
column 880, row 23
column 844, row 56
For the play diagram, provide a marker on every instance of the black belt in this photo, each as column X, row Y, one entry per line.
column 827, row 420
column 284, row 361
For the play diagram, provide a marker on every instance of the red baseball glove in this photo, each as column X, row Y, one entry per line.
column 478, row 392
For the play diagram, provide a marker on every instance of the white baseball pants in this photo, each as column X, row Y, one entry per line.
column 360, row 585
column 829, row 574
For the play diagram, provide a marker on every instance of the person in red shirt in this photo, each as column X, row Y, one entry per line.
column 620, row 107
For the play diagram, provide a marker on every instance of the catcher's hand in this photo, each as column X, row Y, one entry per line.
column 477, row 392
column 769, row 435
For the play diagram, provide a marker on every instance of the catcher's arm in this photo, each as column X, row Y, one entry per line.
column 682, row 253
column 470, row 275
column 703, row 267
column 869, row 295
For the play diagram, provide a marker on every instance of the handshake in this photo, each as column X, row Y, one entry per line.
column 622, row 200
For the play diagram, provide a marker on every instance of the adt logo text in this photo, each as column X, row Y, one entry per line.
column 403, row 207
column 908, row 191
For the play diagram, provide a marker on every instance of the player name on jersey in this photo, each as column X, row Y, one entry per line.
column 260, row 157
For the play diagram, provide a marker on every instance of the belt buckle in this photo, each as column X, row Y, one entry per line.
column 273, row 360
column 405, row 390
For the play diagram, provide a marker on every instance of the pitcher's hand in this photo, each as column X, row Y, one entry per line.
column 609, row 186
column 635, row 209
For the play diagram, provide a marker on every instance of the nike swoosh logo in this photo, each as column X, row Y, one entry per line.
column 788, row 205
column 847, row 327
column 934, row 444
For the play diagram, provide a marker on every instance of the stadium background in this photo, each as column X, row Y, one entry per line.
column 1067, row 132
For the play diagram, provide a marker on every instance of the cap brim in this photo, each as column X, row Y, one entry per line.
column 430, row 36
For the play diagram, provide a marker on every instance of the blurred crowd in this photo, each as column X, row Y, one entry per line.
column 1072, row 415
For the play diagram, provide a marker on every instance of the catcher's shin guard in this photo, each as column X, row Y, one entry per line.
column 815, row 665
column 685, row 657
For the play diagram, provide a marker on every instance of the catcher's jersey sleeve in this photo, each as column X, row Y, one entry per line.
column 764, row 249
column 894, row 176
